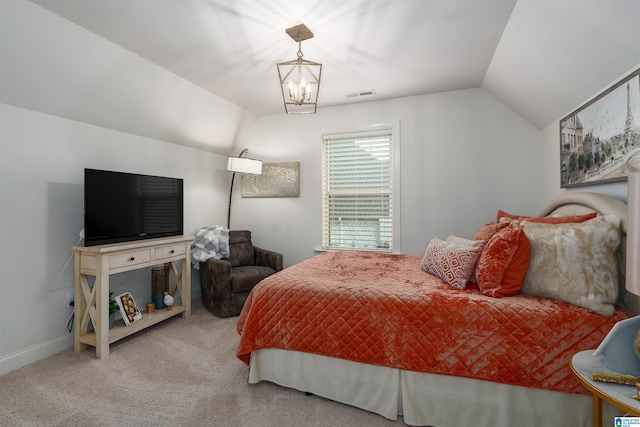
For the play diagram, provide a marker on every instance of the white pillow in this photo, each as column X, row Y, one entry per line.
column 575, row 262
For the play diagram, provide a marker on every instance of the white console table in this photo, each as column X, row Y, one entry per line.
column 101, row 261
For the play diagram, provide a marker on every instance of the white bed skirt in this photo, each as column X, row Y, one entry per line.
column 423, row 399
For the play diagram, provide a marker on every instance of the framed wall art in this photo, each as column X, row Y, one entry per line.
column 600, row 141
column 277, row 180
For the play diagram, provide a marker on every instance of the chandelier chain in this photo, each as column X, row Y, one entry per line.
column 299, row 51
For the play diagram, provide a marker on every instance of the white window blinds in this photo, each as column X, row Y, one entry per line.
column 357, row 180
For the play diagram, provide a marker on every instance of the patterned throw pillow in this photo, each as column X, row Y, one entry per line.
column 575, row 263
column 453, row 260
column 503, row 263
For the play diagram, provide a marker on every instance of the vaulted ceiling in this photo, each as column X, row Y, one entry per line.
column 542, row 58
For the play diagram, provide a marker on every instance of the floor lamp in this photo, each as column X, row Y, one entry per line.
column 242, row 165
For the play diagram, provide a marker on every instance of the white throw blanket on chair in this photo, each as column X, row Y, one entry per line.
column 210, row 242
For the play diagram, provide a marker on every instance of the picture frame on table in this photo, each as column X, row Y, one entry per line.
column 128, row 309
column 600, row 141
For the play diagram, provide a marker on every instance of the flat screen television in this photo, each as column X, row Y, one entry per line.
column 120, row 207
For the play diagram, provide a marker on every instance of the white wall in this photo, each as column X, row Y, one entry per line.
column 463, row 156
column 51, row 65
column 41, row 195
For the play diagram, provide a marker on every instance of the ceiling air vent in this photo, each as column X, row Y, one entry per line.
column 361, row 93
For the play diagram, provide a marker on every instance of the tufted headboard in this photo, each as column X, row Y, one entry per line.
column 579, row 203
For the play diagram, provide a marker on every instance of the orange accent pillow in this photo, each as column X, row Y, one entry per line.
column 562, row 219
column 488, row 230
column 503, row 263
column 503, row 214
column 485, row 233
column 548, row 219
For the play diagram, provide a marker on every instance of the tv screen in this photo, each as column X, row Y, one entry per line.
column 119, row 207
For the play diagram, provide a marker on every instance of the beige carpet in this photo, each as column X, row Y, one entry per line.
column 182, row 372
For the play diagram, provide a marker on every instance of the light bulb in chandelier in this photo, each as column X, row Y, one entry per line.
column 299, row 92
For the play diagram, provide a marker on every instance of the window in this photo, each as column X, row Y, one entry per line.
column 357, row 196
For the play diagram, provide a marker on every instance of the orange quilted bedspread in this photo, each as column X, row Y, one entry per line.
column 382, row 309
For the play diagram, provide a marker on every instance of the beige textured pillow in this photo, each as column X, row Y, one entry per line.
column 575, row 262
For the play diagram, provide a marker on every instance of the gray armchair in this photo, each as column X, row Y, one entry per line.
column 226, row 283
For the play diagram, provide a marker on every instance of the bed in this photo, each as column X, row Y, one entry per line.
column 401, row 335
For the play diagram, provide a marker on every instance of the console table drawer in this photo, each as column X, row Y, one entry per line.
column 169, row 251
column 129, row 258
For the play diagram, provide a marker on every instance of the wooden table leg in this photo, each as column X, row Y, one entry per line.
column 597, row 411
column 101, row 323
column 79, row 305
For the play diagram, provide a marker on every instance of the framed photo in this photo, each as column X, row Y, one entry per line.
column 600, row 141
column 277, row 180
column 128, row 308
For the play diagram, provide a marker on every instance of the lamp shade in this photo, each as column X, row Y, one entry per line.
column 244, row 165
column 617, row 348
column 632, row 280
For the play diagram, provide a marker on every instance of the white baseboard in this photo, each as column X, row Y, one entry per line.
column 32, row 354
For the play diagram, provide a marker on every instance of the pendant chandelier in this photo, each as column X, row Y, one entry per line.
column 299, row 79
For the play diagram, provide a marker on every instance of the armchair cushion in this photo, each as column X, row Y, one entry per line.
column 243, row 279
column 242, row 253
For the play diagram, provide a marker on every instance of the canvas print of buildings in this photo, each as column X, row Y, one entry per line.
column 601, row 142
